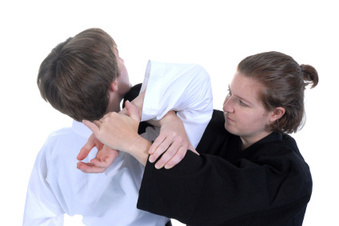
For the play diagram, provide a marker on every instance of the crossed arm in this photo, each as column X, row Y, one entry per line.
column 185, row 88
column 119, row 131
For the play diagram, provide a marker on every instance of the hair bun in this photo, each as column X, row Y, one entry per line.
column 310, row 75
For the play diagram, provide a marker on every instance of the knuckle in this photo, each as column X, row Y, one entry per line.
column 171, row 134
column 179, row 140
column 179, row 156
column 165, row 158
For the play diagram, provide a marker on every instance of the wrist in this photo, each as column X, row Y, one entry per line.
column 139, row 149
column 168, row 118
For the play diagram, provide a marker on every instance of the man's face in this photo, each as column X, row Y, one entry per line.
column 124, row 84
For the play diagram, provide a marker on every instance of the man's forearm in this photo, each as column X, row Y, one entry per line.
column 139, row 149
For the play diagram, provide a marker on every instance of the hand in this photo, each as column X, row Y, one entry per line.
column 104, row 158
column 138, row 103
column 115, row 130
column 120, row 132
column 172, row 142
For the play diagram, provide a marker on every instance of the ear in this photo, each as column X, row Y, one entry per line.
column 277, row 113
column 114, row 86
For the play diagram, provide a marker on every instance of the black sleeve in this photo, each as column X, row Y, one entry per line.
column 209, row 190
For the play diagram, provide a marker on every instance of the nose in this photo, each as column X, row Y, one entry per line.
column 228, row 107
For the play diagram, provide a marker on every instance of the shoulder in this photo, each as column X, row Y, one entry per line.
column 183, row 69
column 63, row 143
column 197, row 68
column 283, row 155
column 280, row 145
column 282, row 161
column 58, row 135
column 200, row 72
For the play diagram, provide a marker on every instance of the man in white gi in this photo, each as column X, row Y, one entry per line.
column 56, row 187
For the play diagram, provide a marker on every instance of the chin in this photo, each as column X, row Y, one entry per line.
column 231, row 129
column 228, row 127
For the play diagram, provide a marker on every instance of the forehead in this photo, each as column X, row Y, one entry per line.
column 246, row 88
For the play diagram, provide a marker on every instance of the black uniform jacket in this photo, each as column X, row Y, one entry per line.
column 269, row 183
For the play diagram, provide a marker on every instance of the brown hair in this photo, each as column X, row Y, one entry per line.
column 75, row 77
column 284, row 81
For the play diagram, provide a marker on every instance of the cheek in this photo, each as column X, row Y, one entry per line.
column 124, row 75
column 250, row 119
column 258, row 121
column 124, row 84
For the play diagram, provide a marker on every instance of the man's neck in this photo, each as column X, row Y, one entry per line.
column 114, row 104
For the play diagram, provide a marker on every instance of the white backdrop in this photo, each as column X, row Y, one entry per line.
column 215, row 34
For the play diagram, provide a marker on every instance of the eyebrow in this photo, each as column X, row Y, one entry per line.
column 241, row 98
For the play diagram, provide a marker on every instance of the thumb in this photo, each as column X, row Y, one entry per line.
column 132, row 111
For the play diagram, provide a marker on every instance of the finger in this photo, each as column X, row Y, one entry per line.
column 176, row 158
column 132, row 111
column 101, row 163
column 124, row 111
column 105, row 160
column 193, row 150
column 170, row 152
column 89, row 168
column 92, row 126
column 156, row 144
column 86, row 149
column 161, row 148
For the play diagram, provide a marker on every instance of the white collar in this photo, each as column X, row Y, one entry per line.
column 80, row 129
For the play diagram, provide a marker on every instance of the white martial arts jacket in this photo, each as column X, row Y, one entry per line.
column 57, row 187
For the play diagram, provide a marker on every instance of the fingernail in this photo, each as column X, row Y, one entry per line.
column 157, row 166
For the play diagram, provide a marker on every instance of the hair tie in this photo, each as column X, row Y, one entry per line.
column 300, row 70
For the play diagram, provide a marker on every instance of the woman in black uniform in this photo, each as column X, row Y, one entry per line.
column 249, row 171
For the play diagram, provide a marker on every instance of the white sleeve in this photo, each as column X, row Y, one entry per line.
column 185, row 88
column 41, row 206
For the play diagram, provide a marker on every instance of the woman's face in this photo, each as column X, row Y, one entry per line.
column 244, row 112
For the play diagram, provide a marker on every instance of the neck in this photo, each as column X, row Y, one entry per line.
column 248, row 141
column 114, row 104
column 245, row 143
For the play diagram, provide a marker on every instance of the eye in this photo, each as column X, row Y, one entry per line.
column 242, row 103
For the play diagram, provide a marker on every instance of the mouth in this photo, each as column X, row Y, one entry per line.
column 228, row 119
